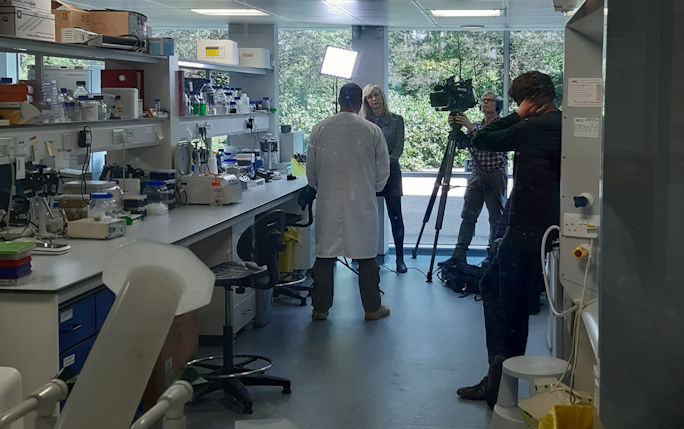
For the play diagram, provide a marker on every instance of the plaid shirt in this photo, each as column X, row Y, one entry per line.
column 488, row 161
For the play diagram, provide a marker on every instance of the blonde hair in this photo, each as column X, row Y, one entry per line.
column 366, row 110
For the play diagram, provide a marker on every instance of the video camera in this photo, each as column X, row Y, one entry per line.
column 452, row 96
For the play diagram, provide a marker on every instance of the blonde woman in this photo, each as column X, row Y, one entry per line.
column 375, row 110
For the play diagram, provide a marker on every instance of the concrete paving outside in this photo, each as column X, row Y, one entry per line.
column 417, row 190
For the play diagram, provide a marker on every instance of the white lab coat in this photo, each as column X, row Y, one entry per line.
column 347, row 162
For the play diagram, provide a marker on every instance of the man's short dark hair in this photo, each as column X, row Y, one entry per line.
column 350, row 96
column 530, row 84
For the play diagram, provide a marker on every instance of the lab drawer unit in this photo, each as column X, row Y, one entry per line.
column 103, row 302
column 76, row 322
column 76, row 356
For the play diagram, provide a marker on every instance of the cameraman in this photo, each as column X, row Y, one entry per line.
column 534, row 132
column 487, row 182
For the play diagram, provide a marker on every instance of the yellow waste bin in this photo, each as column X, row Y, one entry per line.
column 568, row 417
column 286, row 257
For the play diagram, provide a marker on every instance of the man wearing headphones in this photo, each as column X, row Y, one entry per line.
column 487, row 182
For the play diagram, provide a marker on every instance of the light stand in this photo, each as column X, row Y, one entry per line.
column 338, row 63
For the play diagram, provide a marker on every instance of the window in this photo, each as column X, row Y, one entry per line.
column 305, row 96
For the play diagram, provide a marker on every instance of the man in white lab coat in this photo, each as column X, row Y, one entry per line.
column 347, row 162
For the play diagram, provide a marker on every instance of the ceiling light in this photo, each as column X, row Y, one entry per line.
column 457, row 13
column 472, row 27
column 230, row 12
column 337, row 8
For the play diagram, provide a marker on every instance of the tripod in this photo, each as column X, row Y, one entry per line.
column 456, row 140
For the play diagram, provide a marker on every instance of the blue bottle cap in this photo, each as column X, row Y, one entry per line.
column 100, row 195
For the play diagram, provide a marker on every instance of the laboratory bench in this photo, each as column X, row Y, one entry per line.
column 53, row 320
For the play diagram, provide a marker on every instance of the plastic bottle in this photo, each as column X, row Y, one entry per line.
column 89, row 108
column 238, row 105
column 80, row 89
column 64, row 96
column 67, row 111
column 187, row 105
column 194, row 104
column 101, row 108
column 266, row 104
column 157, row 107
column 252, row 106
column 219, row 101
column 233, row 107
column 208, row 94
column 99, row 206
column 75, row 111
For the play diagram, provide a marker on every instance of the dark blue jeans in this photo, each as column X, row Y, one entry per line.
column 510, row 283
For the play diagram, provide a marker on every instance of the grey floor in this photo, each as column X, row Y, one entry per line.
column 399, row 372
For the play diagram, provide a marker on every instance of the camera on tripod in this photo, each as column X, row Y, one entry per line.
column 452, row 96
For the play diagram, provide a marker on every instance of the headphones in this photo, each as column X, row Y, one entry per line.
column 499, row 101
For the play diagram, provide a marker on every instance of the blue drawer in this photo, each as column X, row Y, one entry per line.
column 76, row 356
column 76, row 322
column 103, row 302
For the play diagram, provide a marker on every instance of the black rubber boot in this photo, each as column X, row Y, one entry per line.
column 399, row 249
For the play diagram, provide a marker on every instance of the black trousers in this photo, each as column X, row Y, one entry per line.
column 510, row 283
column 323, row 288
column 393, row 203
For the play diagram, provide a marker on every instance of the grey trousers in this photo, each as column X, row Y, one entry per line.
column 323, row 284
column 477, row 194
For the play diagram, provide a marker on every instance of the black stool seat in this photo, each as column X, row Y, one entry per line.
column 241, row 274
column 258, row 248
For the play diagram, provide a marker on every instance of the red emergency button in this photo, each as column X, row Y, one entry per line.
column 580, row 252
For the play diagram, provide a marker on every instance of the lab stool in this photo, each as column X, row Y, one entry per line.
column 506, row 413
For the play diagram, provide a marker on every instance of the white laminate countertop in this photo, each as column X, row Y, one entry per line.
column 82, row 265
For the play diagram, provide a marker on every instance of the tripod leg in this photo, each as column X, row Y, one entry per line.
column 433, row 197
column 446, row 183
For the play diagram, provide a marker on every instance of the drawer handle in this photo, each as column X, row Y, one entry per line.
column 74, row 328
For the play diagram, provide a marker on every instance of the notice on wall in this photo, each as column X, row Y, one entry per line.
column 586, row 127
column 585, row 92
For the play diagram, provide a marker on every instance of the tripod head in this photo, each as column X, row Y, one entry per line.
column 456, row 134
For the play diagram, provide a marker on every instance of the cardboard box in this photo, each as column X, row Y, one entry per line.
column 218, row 51
column 16, row 92
column 27, row 23
column 180, row 346
column 255, row 57
column 18, row 113
column 41, row 5
column 118, row 23
column 68, row 16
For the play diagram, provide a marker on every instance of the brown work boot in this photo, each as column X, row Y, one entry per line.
column 319, row 316
column 474, row 393
column 381, row 312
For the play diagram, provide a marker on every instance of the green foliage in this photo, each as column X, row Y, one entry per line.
column 542, row 51
column 306, row 97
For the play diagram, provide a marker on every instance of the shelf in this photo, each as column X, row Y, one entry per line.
column 221, row 125
column 106, row 135
column 29, row 46
column 206, row 65
column 67, row 126
column 220, row 117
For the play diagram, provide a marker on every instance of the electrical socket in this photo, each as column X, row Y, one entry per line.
column 250, row 123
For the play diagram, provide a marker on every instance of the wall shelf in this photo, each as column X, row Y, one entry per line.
column 28, row 46
column 222, row 125
column 206, row 65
